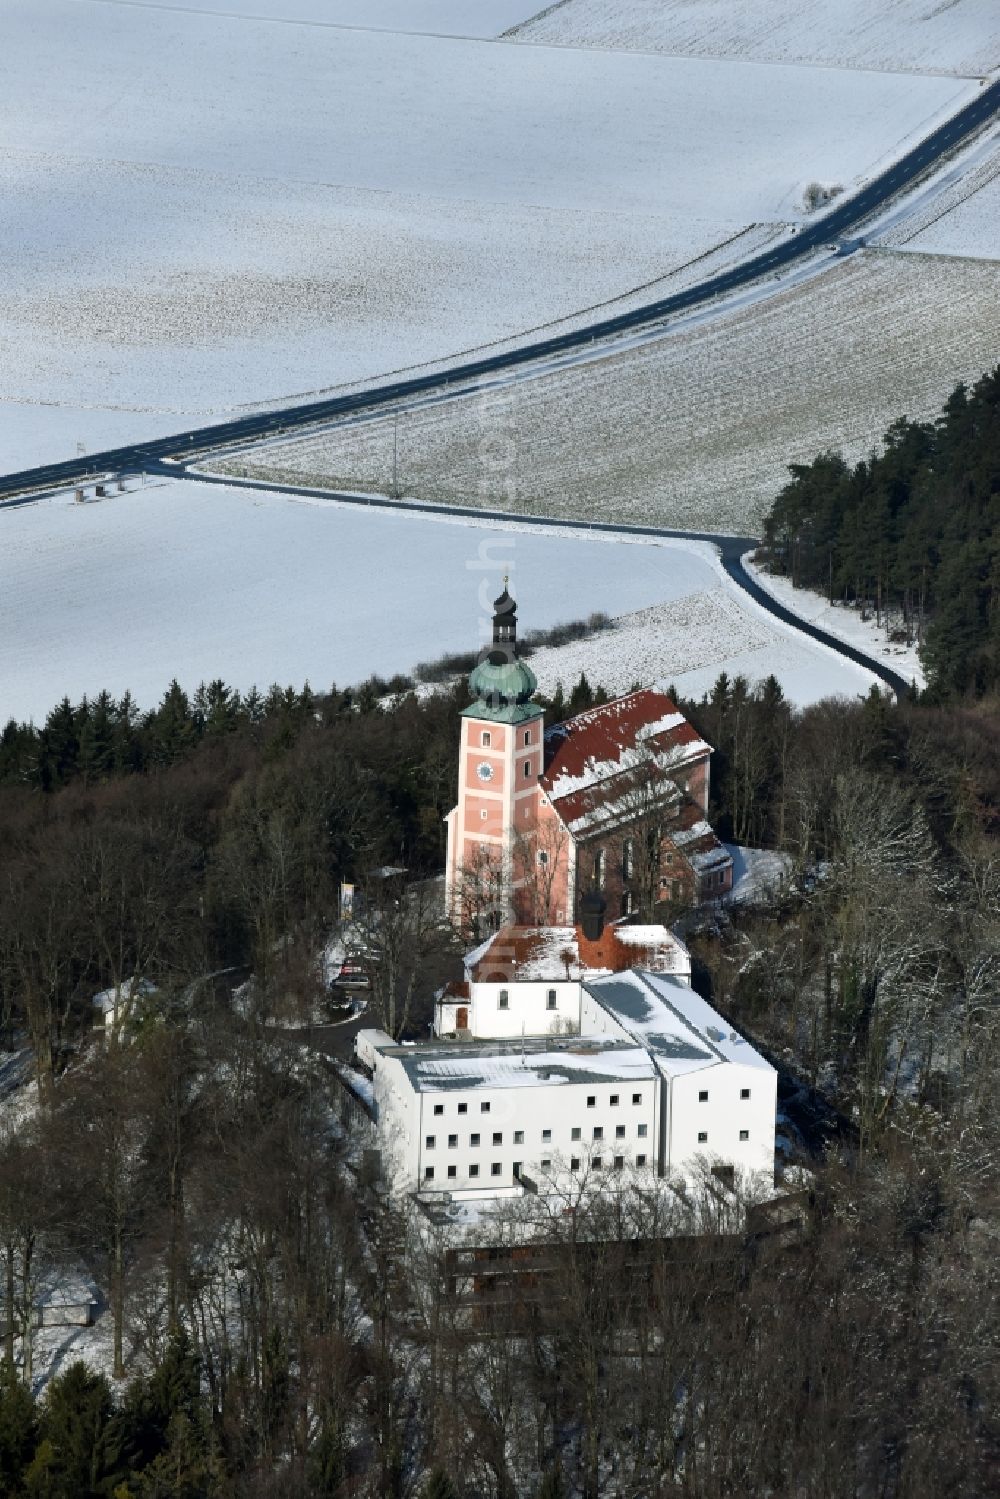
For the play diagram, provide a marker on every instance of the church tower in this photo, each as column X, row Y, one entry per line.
column 500, row 761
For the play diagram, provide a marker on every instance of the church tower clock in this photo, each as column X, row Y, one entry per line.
column 499, row 765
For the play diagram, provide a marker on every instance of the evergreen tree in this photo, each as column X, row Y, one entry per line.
column 552, row 1485
column 75, row 1459
column 438, row 1486
column 18, row 1430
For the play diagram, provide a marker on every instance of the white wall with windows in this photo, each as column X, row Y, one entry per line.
column 544, row 1008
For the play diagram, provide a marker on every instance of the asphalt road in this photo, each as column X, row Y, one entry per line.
column 835, row 226
column 731, row 550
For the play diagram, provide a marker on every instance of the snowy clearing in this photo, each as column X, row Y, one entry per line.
column 319, row 205
column 693, row 431
column 957, row 36
column 200, row 581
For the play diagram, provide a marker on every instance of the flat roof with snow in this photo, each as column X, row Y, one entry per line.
column 678, row 1027
column 516, row 1064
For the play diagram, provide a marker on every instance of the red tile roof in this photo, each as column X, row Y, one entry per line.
column 602, row 756
column 560, row 953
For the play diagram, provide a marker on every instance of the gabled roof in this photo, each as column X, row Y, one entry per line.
column 562, row 953
column 602, row 764
column 672, row 1021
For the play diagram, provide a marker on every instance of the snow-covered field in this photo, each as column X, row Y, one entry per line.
column 472, row 18
column 950, row 36
column 695, row 430
column 215, row 211
column 128, row 592
column 964, row 220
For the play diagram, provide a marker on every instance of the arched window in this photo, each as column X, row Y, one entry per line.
column 600, row 868
column 628, row 859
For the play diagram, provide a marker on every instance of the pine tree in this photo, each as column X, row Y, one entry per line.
column 18, row 1430
column 552, row 1485
column 438, row 1486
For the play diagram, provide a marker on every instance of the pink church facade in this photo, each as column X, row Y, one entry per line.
column 614, row 799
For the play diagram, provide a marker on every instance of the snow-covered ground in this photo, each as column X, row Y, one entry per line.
column 843, row 622
column 199, row 581
column 758, row 873
column 472, row 18
column 694, row 430
column 215, row 211
column 956, row 36
column 964, row 220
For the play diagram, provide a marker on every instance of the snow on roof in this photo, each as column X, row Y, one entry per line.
column 709, row 858
column 108, row 999
column 522, row 1064
column 681, row 1029
column 641, row 728
column 688, row 835
column 563, row 953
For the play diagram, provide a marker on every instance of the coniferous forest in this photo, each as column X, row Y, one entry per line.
column 912, row 533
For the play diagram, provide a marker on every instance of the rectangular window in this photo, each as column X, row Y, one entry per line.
column 576, row 1134
column 550, row 1000
column 628, row 859
column 428, row 1173
column 487, row 739
column 591, row 1100
column 473, row 1140
column 498, row 1137
column 703, row 1137
column 483, row 814
column 473, row 1170
column 744, row 1134
column 439, row 1108
column 546, row 1164
column 640, row 1160
column 430, row 1142
column 636, row 1098
column 574, row 1164
column 619, row 1131
column 744, row 1092
column 546, row 1136
column 619, row 1163
column 598, row 1131
column 527, row 736
column 596, row 1163
column 452, row 1172
column 484, row 1108
column 613, row 1100
column 496, row 1169
column 452, row 1142
column 519, row 1137
column 643, row 1131
column 703, row 1096
column 527, row 769
column 503, row 1000
column 516, row 1169
column 463, row 1108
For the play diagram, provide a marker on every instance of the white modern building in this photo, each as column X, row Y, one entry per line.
column 566, row 1057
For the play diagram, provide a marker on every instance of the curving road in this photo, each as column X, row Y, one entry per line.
column 731, row 549
column 835, row 226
